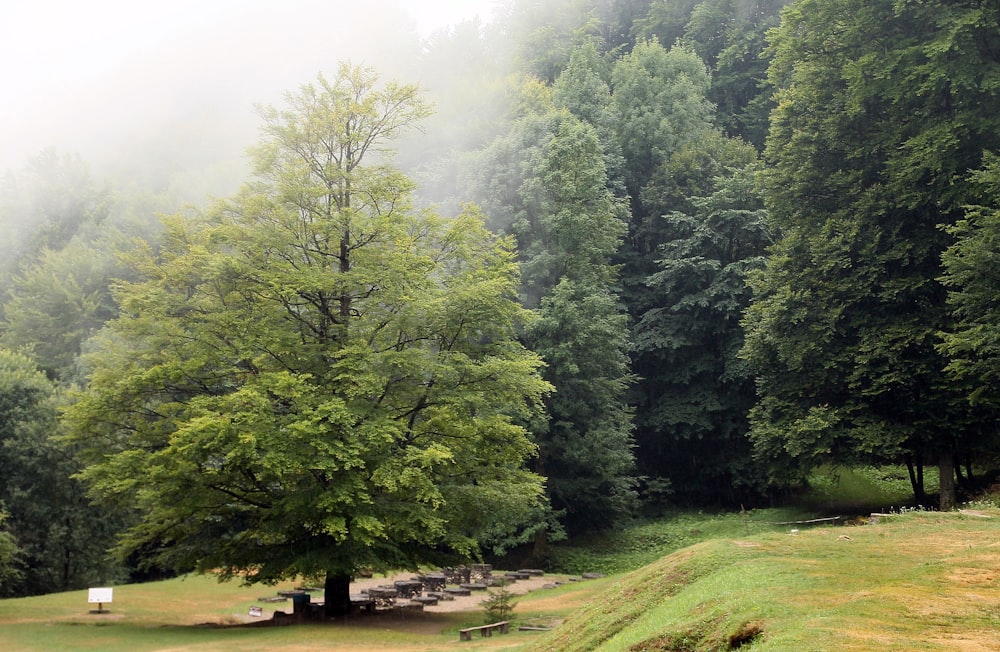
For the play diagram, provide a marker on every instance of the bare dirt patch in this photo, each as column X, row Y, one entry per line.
column 432, row 620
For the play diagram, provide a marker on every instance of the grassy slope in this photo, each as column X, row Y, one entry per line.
column 919, row 581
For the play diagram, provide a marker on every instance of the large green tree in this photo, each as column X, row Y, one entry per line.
column 571, row 226
column 884, row 108
column 316, row 378
column 660, row 100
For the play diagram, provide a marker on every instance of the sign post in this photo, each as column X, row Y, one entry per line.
column 99, row 596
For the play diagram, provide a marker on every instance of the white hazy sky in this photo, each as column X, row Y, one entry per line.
column 74, row 72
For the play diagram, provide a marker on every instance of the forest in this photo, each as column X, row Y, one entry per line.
column 595, row 258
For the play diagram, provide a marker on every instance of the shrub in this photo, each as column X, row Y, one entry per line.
column 500, row 605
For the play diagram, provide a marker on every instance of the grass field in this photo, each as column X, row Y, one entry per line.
column 198, row 613
column 690, row 582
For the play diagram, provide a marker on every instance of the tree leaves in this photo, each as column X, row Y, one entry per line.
column 313, row 369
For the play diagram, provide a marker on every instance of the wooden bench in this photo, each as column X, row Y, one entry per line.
column 484, row 630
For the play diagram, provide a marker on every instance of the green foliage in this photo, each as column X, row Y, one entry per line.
column 57, row 302
column 570, row 224
column 585, row 447
column 972, row 276
column 10, row 573
column 61, row 540
column 660, row 98
column 545, row 33
column 846, row 314
column 695, row 391
column 664, row 20
column 314, row 378
column 43, row 206
column 549, row 175
column 730, row 36
column 500, row 605
column 62, row 231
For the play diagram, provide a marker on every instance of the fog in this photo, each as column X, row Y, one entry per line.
column 148, row 91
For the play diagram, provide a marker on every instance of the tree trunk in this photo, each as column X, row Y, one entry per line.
column 968, row 470
column 946, row 469
column 920, row 480
column 541, row 544
column 916, row 471
column 337, row 595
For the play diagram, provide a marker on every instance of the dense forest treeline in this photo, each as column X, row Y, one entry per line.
column 752, row 237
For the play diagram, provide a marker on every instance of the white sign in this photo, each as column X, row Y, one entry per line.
column 256, row 612
column 100, row 595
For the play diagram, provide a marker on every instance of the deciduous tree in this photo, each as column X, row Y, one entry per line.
column 884, row 108
column 972, row 275
column 316, row 378
column 548, row 176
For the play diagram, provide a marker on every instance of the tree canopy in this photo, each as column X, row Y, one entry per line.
column 972, row 276
column 315, row 378
column 52, row 537
column 883, row 111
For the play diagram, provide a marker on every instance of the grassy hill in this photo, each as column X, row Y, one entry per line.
column 916, row 581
